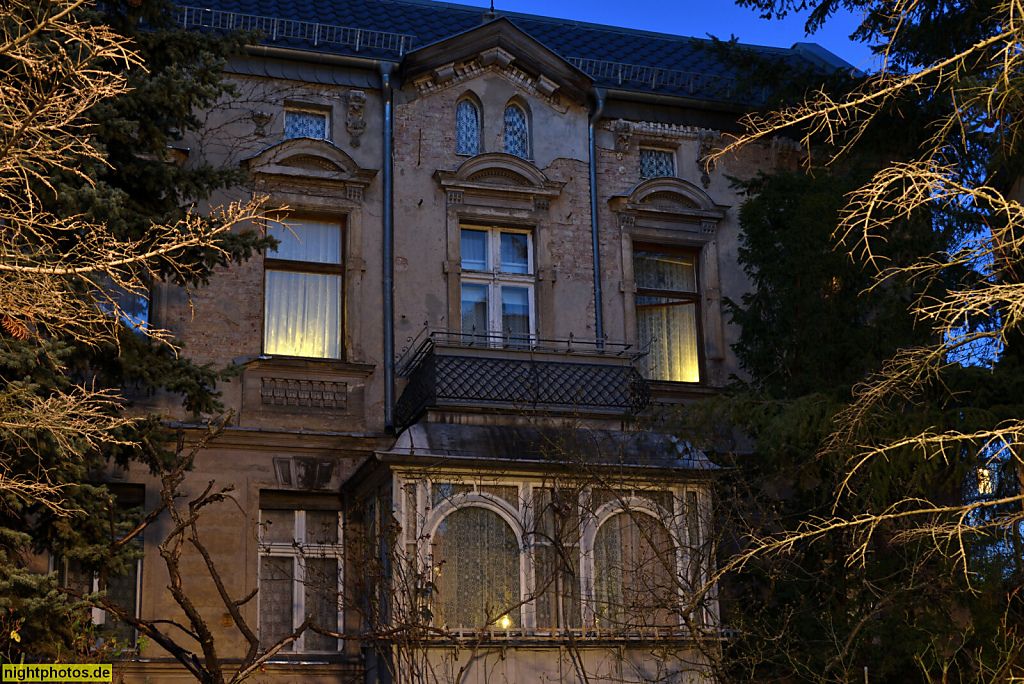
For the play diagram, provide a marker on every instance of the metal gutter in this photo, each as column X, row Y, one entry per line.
column 599, row 95
column 388, row 250
column 313, row 57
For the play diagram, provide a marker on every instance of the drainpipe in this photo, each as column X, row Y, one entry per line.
column 389, row 252
column 599, row 94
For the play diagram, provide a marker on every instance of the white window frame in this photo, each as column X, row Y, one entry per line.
column 318, row 111
column 494, row 278
column 297, row 550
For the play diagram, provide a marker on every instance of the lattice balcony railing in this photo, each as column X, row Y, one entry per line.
column 452, row 369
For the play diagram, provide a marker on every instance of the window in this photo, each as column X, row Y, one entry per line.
column 475, row 559
column 668, row 313
column 497, row 282
column 656, row 163
column 122, row 589
column 306, row 123
column 130, row 305
column 509, row 555
column 299, row 575
column 517, row 136
column 634, row 582
column 467, row 128
column 302, row 315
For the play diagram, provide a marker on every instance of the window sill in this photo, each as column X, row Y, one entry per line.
column 305, row 363
column 560, row 636
column 668, row 392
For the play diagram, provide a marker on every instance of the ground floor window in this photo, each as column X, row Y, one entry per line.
column 300, row 574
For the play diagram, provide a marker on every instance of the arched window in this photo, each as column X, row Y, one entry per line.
column 467, row 128
column 476, row 571
column 517, row 135
column 634, row 562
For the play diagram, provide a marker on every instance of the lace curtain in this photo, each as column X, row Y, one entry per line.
column 516, row 135
column 476, row 570
column 467, row 128
column 634, row 582
column 671, row 322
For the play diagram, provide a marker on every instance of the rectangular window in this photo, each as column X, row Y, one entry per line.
column 303, row 290
column 656, row 163
column 299, row 575
column 668, row 313
column 497, row 285
column 306, row 123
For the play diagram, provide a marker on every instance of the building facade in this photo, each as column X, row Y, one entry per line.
column 501, row 253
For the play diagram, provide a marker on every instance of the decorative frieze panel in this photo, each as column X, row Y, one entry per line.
column 355, row 122
column 304, row 393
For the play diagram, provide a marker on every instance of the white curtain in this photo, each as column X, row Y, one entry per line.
column 672, row 324
column 303, row 315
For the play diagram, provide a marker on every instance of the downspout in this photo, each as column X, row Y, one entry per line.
column 388, row 252
column 599, row 94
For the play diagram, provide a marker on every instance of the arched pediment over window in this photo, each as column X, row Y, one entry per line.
column 498, row 172
column 673, row 194
column 309, row 159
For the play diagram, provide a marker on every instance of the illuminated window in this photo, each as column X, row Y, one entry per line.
column 668, row 313
column 516, row 132
column 656, row 163
column 497, row 283
column 306, row 123
column 302, row 315
column 467, row 128
column 299, row 574
column 475, row 560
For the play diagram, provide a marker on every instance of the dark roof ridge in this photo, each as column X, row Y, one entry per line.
column 575, row 23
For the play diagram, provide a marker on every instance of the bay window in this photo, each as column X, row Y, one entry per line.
column 497, row 282
column 303, row 290
column 668, row 312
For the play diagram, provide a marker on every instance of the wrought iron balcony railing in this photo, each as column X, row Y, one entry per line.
column 520, row 372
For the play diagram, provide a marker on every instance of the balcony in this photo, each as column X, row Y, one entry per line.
column 520, row 373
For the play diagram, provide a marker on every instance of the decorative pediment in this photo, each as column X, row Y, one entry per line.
column 667, row 202
column 312, row 160
column 499, row 46
column 499, row 173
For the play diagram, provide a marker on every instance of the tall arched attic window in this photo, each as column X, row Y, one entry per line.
column 517, row 137
column 467, row 128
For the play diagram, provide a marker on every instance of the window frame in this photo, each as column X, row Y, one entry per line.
column 466, row 100
column 678, row 295
column 651, row 148
column 495, row 279
column 306, row 108
column 528, row 143
column 296, row 550
column 275, row 264
column 422, row 522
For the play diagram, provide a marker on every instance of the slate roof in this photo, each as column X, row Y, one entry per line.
column 387, row 29
column 527, row 446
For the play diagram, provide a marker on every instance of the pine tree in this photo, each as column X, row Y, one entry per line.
column 91, row 214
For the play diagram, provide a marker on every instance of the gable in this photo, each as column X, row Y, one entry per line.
column 496, row 46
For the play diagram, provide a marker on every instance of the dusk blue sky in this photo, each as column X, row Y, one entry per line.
column 698, row 18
